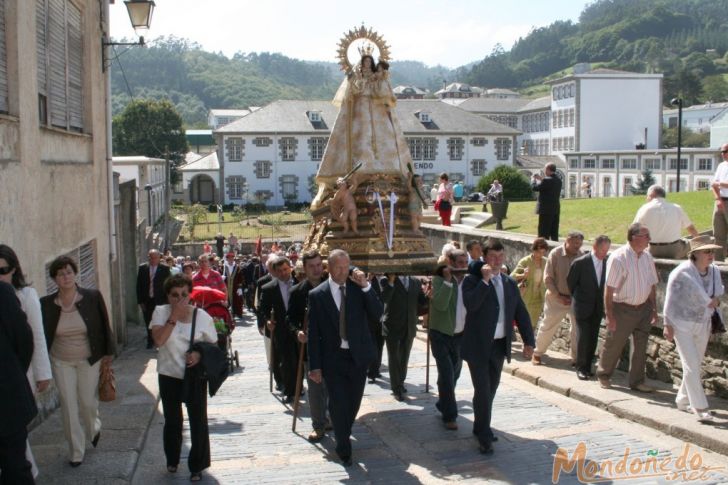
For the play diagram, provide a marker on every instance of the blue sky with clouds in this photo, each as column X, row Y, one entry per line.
column 451, row 33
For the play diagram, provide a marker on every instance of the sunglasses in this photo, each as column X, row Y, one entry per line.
column 5, row 270
column 179, row 295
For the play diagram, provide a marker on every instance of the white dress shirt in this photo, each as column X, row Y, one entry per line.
column 500, row 328
column 597, row 267
column 285, row 287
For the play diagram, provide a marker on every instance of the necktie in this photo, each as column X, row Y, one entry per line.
column 342, row 313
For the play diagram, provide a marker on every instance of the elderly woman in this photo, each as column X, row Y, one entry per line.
column 39, row 372
column 529, row 275
column 80, row 340
column 171, row 327
column 693, row 291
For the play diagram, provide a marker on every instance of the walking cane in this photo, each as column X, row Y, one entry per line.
column 299, row 374
column 272, row 354
column 427, row 364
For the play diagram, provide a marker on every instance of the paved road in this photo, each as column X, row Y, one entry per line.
column 403, row 443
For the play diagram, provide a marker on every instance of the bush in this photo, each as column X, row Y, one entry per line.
column 515, row 185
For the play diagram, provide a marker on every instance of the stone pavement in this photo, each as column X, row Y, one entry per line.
column 251, row 438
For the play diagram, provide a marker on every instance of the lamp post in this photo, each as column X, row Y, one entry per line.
column 140, row 14
column 148, row 188
column 679, row 103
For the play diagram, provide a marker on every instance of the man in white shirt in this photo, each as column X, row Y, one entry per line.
column 665, row 222
column 720, row 214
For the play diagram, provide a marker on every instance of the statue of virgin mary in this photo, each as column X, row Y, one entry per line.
column 366, row 130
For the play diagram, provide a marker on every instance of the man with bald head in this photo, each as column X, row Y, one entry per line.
column 150, row 288
column 720, row 212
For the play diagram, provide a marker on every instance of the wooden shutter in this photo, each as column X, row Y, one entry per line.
column 3, row 62
column 75, row 68
column 41, row 42
column 57, row 59
column 85, row 258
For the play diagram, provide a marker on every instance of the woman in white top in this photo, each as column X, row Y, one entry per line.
column 39, row 372
column 693, row 291
column 171, row 327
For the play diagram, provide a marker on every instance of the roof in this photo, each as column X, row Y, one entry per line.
column 407, row 89
column 136, row 160
column 538, row 163
column 604, row 73
column 537, row 104
column 191, row 157
column 206, row 163
column 459, row 88
column 229, row 112
column 199, row 137
column 493, row 105
column 501, row 91
column 697, row 107
column 290, row 116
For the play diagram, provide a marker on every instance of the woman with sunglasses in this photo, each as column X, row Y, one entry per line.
column 80, row 340
column 39, row 372
column 171, row 327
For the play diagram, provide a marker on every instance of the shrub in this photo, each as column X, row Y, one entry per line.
column 515, row 185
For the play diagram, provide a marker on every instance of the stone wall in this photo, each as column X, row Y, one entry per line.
column 663, row 361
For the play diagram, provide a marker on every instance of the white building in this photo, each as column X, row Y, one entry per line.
column 149, row 175
column 719, row 129
column 697, row 117
column 200, row 177
column 272, row 155
column 612, row 173
column 221, row 117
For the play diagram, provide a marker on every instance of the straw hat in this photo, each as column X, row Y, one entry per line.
column 701, row 243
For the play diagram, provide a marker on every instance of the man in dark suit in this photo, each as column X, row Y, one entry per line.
column 340, row 344
column 375, row 327
column 150, row 288
column 273, row 308
column 17, row 405
column 548, row 205
column 493, row 302
column 586, row 279
column 400, row 295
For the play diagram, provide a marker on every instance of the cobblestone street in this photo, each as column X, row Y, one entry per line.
column 393, row 442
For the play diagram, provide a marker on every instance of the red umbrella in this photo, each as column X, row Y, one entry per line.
column 203, row 295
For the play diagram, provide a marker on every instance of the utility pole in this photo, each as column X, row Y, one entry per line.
column 167, row 195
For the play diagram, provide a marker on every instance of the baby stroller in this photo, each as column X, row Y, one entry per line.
column 214, row 302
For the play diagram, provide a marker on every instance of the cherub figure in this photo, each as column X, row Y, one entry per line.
column 343, row 206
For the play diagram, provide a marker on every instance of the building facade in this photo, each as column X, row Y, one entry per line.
column 149, row 175
column 272, row 155
column 697, row 117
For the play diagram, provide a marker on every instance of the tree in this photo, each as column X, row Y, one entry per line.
column 644, row 183
column 689, row 138
column 148, row 128
column 515, row 184
column 715, row 88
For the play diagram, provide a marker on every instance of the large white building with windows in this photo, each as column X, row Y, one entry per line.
column 272, row 155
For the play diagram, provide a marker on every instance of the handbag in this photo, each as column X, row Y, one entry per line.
column 193, row 378
column 437, row 204
column 107, row 384
column 717, row 325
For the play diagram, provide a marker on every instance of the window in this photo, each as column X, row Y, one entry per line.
column 653, row 164
column 703, row 184
column 235, row 186
column 85, row 258
column 478, row 141
column 316, row 146
column 263, row 195
column 573, row 163
column 234, row 147
column 478, row 167
column 262, row 141
column 415, row 147
column 314, row 116
column 262, row 169
column 3, row 62
column 287, row 146
column 629, row 164
column 502, row 148
column 627, row 187
column 59, row 46
column 455, row 148
column 608, row 163
column 424, row 117
column 590, row 163
column 705, row 164
column 683, row 164
column 429, row 148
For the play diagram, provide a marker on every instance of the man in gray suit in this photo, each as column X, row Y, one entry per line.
column 400, row 295
column 586, row 279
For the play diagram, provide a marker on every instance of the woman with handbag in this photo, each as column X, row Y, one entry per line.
column 693, row 291
column 175, row 327
column 444, row 199
column 81, row 343
column 529, row 276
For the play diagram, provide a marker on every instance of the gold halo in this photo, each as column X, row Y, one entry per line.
column 360, row 33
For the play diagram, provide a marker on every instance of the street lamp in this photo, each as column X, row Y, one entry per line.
column 148, row 188
column 679, row 103
column 140, row 15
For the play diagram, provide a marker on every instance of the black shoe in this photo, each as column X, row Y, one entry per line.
column 95, row 441
column 372, row 380
column 404, row 390
column 379, row 375
column 486, row 449
column 494, row 439
column 346, row 460
column 75, row 464
column 582, row 375
column 150, row 345
column 398, row 396
column 288, row 399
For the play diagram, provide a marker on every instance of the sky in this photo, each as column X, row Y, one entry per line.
column 450, row 33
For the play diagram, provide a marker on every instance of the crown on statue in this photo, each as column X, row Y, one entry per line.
column 366, row 49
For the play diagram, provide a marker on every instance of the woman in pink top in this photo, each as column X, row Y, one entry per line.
column 444, row 199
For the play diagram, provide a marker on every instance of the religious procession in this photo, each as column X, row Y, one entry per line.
column 364, row 279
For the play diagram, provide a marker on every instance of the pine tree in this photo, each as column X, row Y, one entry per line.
column 644, row 183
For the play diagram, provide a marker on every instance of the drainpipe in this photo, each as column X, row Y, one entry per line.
column 109, row 162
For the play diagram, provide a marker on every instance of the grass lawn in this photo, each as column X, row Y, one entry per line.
column 293, row 224
column 609, row 216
